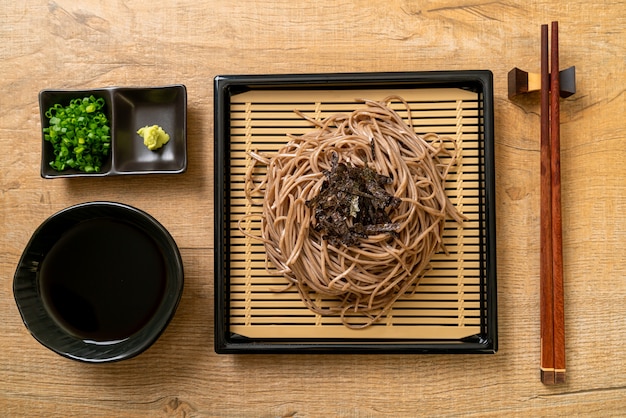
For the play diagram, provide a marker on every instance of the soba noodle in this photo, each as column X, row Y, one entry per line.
column 368, row 278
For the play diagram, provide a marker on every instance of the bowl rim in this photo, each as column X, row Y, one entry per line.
column 52, row 335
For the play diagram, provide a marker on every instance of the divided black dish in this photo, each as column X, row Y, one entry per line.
column 128, row 109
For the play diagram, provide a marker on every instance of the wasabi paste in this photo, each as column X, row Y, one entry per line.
column 154, row 137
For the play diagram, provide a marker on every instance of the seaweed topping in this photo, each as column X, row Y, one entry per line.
column 353, row 204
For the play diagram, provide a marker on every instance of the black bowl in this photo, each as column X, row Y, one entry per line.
column 99, row 282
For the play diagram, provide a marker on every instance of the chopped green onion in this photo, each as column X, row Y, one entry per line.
column 79, row 134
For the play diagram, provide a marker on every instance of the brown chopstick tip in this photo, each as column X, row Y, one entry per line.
column 559, row 377
column 548, row 376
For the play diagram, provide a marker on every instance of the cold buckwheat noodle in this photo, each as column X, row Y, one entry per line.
column 365, row 279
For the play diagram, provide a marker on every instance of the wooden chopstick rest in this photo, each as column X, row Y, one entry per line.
column 523, row 82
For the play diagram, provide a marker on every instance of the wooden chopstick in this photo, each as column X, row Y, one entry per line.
column 546, row 294
column 557, row 237
column 551, row 256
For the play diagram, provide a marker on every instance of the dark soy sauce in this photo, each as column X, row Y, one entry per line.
column 103, row 280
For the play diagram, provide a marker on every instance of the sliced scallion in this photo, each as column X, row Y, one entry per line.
column 79, row 133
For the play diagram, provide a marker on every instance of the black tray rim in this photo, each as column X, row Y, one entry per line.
column 480, row 81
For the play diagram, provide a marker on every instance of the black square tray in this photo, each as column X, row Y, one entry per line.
column 454, row 310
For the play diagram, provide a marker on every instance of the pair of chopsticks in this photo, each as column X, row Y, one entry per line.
column 551, row 257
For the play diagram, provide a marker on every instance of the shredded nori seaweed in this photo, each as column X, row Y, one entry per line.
column 353, row 204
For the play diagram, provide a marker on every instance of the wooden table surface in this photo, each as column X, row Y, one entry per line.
column 86, row 44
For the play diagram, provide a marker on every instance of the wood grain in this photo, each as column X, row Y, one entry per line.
column 68, row 44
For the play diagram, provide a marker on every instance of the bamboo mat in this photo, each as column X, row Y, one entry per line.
column 447, row 302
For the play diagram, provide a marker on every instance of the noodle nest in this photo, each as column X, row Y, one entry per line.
column 359, row 283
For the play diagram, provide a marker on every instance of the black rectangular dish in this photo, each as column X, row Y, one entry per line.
column 453, row 309
column 127, row 110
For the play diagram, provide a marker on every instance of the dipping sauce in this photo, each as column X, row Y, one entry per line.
column 103, row 280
